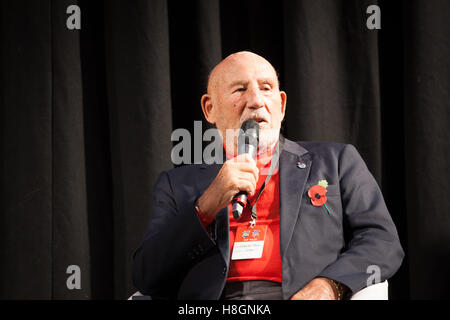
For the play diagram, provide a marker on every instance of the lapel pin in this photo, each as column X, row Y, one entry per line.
column 301, row 165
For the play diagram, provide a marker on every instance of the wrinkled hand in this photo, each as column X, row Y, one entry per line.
column 237, row 174
column 317, row 289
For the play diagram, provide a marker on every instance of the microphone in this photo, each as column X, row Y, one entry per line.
column 247, row 143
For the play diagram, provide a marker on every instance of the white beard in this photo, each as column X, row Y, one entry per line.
column 268, row 138
column 268, row 135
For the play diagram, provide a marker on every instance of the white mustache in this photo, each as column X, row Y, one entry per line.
column 256, row 117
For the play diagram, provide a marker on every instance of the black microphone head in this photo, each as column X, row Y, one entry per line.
column 250, row 128
column 248, row 139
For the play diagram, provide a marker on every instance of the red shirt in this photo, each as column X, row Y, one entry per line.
column 268, row 267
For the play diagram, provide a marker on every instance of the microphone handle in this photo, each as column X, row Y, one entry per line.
column 247, row 148
column 240, row 199
column 239, row 202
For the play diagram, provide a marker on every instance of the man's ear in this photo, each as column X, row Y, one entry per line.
column 208, row 108
column 283, row 97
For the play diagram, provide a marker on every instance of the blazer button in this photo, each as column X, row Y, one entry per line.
column 224, row 272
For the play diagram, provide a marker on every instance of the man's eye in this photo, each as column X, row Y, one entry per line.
column 239, row 90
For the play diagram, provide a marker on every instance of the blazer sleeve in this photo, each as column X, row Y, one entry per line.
column 174, row 240
column 373, row 240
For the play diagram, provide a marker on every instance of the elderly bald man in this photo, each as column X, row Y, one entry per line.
column 321, row 219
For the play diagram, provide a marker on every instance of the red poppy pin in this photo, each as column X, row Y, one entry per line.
column 317, row 194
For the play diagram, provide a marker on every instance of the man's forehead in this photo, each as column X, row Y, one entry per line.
column 237, row 66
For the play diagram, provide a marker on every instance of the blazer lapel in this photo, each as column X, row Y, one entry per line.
column 295, row 164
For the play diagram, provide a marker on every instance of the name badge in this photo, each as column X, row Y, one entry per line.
column 249, row 242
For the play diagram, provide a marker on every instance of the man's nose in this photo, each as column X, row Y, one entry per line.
column 255, row 99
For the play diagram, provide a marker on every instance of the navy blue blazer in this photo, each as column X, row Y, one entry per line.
column 179, row 259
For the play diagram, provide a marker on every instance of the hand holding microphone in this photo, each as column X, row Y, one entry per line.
column 237, row 177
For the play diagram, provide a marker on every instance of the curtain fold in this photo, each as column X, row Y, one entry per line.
column 427, row 152
column 86, row 118
column 26, row 240
column 139, row 105
column 70, row 238
column 332, row 79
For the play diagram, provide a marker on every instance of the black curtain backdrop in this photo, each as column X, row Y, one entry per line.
column 86, row 119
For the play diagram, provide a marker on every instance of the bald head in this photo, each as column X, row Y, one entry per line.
column 234, row 61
